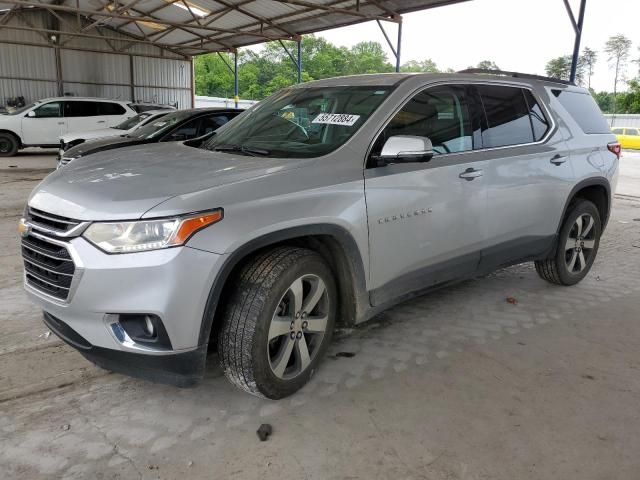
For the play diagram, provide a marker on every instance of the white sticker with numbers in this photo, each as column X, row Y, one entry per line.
column 336, row 119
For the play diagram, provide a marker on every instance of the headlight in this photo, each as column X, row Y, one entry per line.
column 144, row 235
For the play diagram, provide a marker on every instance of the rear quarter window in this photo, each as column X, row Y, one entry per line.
column 584, row 110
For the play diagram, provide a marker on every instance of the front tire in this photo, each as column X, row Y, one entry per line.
column 577, row 246
column 9, row 144
column 278, row 322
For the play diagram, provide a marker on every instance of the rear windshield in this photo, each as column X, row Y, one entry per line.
column 584, row 110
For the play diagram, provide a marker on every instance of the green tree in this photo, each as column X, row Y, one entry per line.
column 487, row 65
column 368, row 57
column 589, row 58
column 618, row 48
column 428, row 66
column 604, row 101
column 629, row 101
column 559, row 67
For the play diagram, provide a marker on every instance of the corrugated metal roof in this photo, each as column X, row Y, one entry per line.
column 190, row 27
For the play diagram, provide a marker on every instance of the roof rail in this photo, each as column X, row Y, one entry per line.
column 516, row 75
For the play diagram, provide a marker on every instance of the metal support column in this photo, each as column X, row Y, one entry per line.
column 577, row 27
column 236, row 98
column 297, row 60
column 395, row 50
column 299, row 63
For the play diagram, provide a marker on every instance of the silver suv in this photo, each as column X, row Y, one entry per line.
column 324, row 204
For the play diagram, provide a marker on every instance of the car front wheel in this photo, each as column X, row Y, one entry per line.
column 278, row 322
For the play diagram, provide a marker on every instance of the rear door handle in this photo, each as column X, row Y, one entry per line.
column 470, row 173
column 559, row 159
column 101, row 121
column 60, row 123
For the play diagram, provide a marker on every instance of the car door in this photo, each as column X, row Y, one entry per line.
column 184, row 131
column 427, row 220
column 82, row 115
column 112, row 113
column 632, row 138
column 528, row 174
column 44, row 125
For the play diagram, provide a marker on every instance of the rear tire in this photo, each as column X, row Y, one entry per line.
column 577, row 247
column 278, row 322
column 9, row 144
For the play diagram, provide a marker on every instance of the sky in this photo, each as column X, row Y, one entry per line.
column 519, row 35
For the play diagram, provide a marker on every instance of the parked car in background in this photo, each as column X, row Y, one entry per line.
column 41, row 124
column 124, row 128
column 172, row 127
column 629, row 137
column 146, row 106
column 325, row 204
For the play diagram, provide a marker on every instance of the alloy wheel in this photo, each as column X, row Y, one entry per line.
column 298, row 327
column 580, row 244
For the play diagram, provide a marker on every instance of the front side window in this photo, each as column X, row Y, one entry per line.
column 49, row 110
column 184, row 132
column 300, row 122
column 507, row 115
column 79, row 108
column 210, row 124
column 618, row 131
column 440, row 113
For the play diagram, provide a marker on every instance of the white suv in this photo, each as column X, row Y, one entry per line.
column 42, row 123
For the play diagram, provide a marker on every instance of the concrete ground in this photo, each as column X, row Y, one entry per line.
column 458, row 384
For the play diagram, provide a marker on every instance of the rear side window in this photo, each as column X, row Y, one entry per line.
column 539, row 122
column 507, row 112
column 631, row 131
column 108, row 108
column 584, row 110
column 80, row 109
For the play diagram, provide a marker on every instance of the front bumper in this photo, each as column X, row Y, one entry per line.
column 180, row 369
column 172, row 284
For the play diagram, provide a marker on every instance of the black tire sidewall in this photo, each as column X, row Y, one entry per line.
column 268, row 384
column 580, row 208
column 14, row 144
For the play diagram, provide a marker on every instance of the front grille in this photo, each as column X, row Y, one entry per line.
column 51, row 221
column 48, row 266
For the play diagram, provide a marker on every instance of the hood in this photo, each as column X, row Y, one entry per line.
column 93, row 134
column 125, row 183
column 102, row 144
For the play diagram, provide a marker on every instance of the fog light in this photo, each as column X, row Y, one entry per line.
column 144, row 329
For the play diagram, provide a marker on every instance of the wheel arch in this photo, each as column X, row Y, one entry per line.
column 11, row 132
column 598, row 191
column 334, row 243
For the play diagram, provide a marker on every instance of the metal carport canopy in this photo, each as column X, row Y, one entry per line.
column 192, row 27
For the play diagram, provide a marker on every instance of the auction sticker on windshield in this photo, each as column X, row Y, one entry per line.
column 336, row 119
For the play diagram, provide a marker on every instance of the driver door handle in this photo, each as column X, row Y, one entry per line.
column 470, row 173
column 559, row 159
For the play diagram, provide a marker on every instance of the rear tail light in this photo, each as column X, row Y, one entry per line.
column 614, row 147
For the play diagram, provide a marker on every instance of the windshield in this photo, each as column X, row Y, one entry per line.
column 300, row 122
column 22, row 109
column 158, row 127
column 129, row 123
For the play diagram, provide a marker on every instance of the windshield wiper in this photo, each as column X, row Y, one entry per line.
column 241, row 149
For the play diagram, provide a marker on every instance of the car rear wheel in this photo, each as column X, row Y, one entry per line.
column 9, row 145
column 577, row 246
column 278, row 322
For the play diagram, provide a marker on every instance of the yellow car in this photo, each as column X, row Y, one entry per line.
column 629, row 137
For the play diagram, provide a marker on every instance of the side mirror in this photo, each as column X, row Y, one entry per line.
column 31, row 114
column 406, row 148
